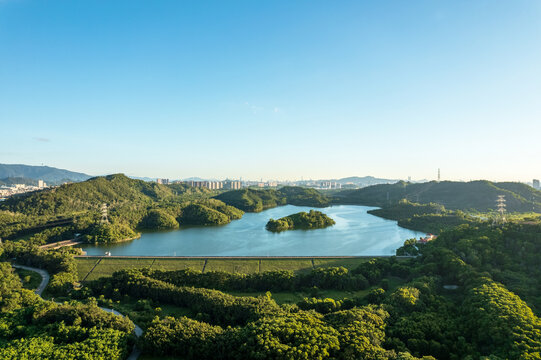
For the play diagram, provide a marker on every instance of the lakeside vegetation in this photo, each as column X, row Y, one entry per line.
column 430, row 218
column 300, row 221
column 255, row 200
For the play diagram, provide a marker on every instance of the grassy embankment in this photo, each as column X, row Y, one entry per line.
column 95, row 268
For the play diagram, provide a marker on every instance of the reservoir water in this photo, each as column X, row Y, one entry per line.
column 356, row 233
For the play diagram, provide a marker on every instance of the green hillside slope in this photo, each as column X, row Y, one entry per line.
column 255, row 200
column 133, row 203
column 473, row 195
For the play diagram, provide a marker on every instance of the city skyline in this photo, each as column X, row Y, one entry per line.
column 275, row 90
column 192, row 177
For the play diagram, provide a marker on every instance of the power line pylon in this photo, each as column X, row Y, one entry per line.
column 104, row 218
column 501, row 208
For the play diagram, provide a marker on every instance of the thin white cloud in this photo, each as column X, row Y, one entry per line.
column 41, row 139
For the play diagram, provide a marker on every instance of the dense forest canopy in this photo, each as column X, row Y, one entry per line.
column 473, row 195
column 471, row 293
column 31, row 328
column 115, row 190
column 255, row 200
column 432, row 218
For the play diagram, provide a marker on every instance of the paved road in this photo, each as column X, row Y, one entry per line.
column 59, row 244
column 45, row 280
column 44, row 277
column 138, row 331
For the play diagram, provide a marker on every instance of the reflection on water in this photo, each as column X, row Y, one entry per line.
column 355, row 233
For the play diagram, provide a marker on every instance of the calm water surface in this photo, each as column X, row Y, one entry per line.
column 355, row 233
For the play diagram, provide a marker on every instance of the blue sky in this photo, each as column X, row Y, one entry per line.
column 273, row 89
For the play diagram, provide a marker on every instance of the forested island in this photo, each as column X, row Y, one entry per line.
column 300, row 221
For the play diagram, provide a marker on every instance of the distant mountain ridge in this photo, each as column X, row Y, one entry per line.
column 365, row 180
column 48, row 174
column 18, row 180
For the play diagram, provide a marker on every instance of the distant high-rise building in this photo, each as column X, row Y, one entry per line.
column 536, row 184
column 215, row 185
column 211, row 185
column 232, row 185
column 162, row 181
column 41, row 184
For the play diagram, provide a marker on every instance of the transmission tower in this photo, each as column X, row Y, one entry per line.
column 501, row 208
column 104, row 217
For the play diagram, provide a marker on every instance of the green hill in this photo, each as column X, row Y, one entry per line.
column 473, row 195
column 255, row 200
column 134, row 203
column 114, row 190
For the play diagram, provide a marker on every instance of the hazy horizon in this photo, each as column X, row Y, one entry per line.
column 273, row 90
column 302, row 178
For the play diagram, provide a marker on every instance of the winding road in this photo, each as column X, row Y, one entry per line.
column 45, row 281
column 44, row 277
